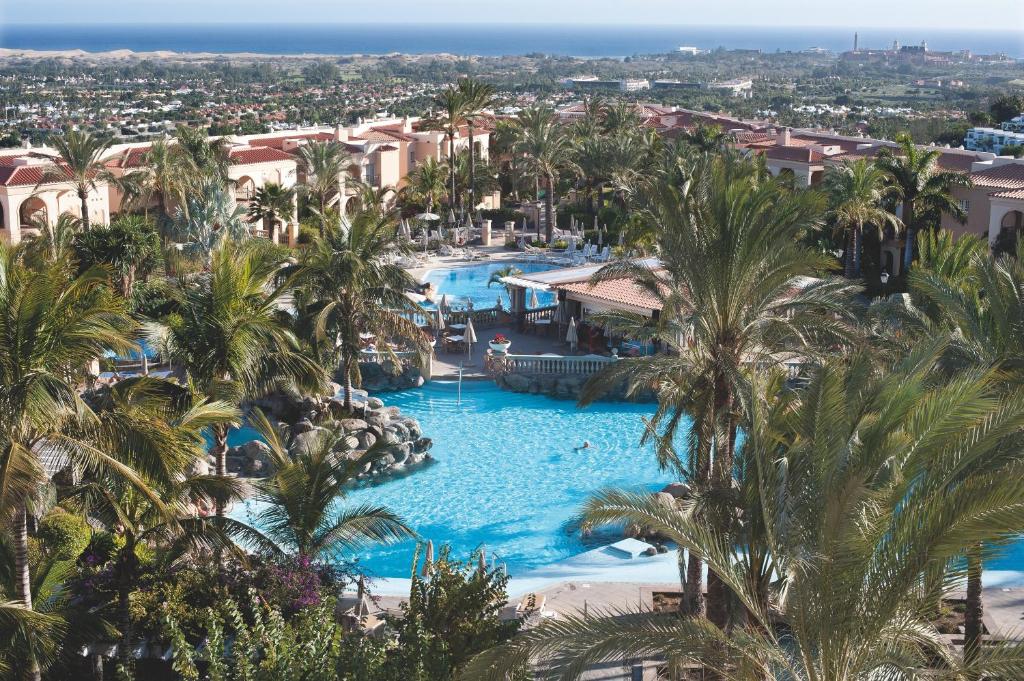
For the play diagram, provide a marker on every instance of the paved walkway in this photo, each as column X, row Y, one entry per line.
column 446, row 364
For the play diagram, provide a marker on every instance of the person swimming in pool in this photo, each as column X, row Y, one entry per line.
column 585, row 445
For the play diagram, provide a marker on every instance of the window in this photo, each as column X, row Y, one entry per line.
column 965, row 205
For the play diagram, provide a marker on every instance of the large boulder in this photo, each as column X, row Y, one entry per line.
column 353, row 425
column 256, row 450
column 517, row 383
column 378, row 418
column 678, row 490
column 374, row 403
column 303, row 426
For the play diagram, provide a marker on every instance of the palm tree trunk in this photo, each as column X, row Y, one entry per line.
column 23, row 576
column 220, row 453
column 848, row 255
column 347, row 368
column 83, row 196
column 908, row 221
column 451, row 168
column 974, row 609
column 472, row 170
column 549, row 208
column 693, row 603
column 124, row 614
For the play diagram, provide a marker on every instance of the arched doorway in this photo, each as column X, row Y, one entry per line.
column 32, row 211
column 1009, row 230
column 245, row 188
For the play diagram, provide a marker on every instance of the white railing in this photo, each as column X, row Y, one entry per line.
column 583, row 365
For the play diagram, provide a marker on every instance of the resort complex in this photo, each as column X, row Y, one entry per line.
column 514, row 387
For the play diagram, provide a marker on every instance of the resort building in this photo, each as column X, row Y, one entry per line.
column 26, row 201
column 993, row 139
column 382, row 153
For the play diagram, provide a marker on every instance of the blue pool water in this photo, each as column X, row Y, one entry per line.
column 462, row 284
column 506, row 474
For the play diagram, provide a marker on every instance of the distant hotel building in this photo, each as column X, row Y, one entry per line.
column 737, row 87
column 992, row 139
column 594, row 83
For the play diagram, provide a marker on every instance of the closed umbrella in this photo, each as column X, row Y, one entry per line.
column 560, row 313
column 443, row 305
column 600, row 238
column 571, row 336
column 595, row 220
column 470, row 334
column 534, row 303
column 451, row 216
column 439, row 320
column 500, row 306
column 621, row 236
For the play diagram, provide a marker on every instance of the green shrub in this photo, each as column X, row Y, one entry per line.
column 307, row 234
column 63, row 535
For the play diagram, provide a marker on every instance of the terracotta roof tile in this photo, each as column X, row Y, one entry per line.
column 622, row 291
column 1009, row 176
column 798, row 154
column 1017, row 194
column 248, row 155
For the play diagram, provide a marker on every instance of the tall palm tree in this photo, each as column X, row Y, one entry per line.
column 925, row 190
column 80, row 165
column 425, row 185
column 857, row 191
column 864, row 483
column 52, row 327
column 169, row 175
column 477, row 97
column 230, row 336
column 548, row 151
column 737, row 292
column 705, row 138
column 325, row 165
column 272, row 204
column 302, row 493
column 452, row 116
column 158, row 420
column 209, row 156
column 357, row 289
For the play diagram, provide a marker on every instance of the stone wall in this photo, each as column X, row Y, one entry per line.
column 387, row 376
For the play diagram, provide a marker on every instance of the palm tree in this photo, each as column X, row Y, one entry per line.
column 357, row 289
column 159, row 421
column 207, row 155
column 302, row 493
column 477, row 97
column 169, row 175
column 129, row 245
column 230, row 336
column 865, row 482
column 857, row 191
column 924, row 189
column 453, row 111
column 325, row 165
column 80, row 165
column 208, row 216
column 736, row 293
column 425, row 185
column 705, row 138
column 499, row 274
column 51, row 328
column 548, row 151
column 272, row 204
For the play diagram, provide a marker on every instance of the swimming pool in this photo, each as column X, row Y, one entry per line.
column 507, row 474
column 462, row 284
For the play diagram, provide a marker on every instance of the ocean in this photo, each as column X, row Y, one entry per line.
column 481, row 39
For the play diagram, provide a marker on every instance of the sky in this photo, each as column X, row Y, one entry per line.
column 949, row 14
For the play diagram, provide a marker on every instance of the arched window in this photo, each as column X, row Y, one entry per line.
column 33, row 210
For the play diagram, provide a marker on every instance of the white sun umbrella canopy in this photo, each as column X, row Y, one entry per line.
column 571, row 337
column 428, row 217
column 534, row 303
column 560, row 312
column 439, row 319
column 443, row 305
column 600, row 238
column 470, row 336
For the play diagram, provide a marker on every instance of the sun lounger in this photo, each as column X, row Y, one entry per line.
column 531, row 604
column 630, row 548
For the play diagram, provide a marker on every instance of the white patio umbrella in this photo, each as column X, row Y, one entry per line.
column 595, row 220
column 429, row 558
column 500, row 306
column 443, row 305
column 428, row 217
column 534, row 303
column 571, row 336
column 621, row 237
column 470, row 336
column 600, row 238
column 451, row 216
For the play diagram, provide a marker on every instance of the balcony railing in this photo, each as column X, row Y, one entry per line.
column 550, row 365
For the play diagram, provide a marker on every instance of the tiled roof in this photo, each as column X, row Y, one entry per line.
column 621, row 291
column 277, row 141
column 248, row 155
column 1017, row 194
column 1009, row 176
column 130, row 158
column 19, row 176
column 798, row 154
